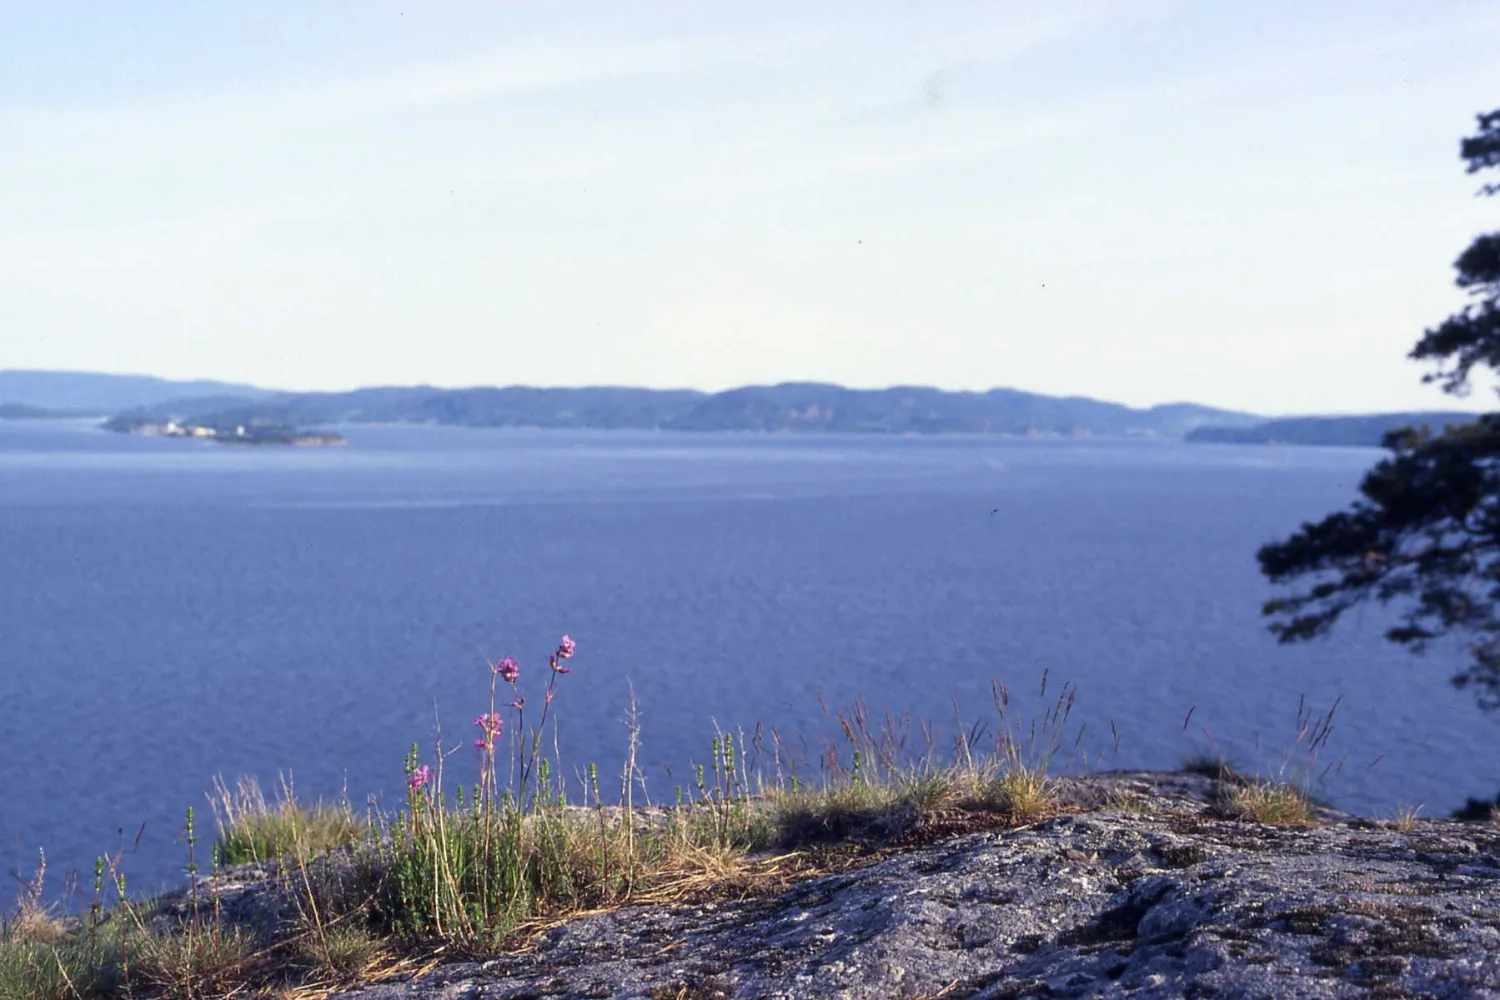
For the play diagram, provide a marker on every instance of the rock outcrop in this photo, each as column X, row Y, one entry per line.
column 1147, row 892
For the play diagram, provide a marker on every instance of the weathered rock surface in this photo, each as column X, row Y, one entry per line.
column 1163, row 899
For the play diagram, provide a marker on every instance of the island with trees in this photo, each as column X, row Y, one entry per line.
column 1363, row 431
column 240, row 434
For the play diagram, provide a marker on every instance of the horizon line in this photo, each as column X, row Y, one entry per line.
column 189, row 380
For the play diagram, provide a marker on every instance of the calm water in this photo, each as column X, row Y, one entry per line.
column 174, row 610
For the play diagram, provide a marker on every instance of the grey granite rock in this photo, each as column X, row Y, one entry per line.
column 1163, row 899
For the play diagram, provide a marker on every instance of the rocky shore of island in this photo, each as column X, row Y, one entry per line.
column 241, row 434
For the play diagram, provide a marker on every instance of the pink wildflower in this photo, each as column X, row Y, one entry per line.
column 552, row 662
column 565, row 648
column 508, row 669
column 421, row 776
column 492, row 726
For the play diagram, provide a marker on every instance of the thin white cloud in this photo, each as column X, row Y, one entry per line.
column 593, row 203
column 568, row 59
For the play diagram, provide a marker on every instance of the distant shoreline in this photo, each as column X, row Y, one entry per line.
column 239, row 434
column 334, row 438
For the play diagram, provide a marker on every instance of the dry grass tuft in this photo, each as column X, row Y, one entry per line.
column 382, row 967
column 1406, row 818
column 67, row 968
column 33, row 921
column 190, row 962
column 693, row 872
column 1277, row 803
column 32, row 924
column 252, row 828
column 1024, row 796
column 41, row 960
column 340, row 954
column 859, row 812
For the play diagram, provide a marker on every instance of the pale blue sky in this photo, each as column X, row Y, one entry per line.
column 1246, row 204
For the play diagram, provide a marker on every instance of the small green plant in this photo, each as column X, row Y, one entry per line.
column 340, row 953
column 188, row 954
column 81, row 966
column 179, row 961
column 473, row 873
column 43, row 957
column 156, row 948
column 252, row 828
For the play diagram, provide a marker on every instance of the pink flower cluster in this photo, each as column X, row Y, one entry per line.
column 508, row 669
column 420, row 777
column 564, row 652
column 491, row 726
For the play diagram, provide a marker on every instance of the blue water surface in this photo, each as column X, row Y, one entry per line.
column 174, row 610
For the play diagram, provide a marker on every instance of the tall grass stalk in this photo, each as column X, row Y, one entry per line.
column 1286, row 796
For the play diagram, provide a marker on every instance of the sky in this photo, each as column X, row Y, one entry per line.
column 1249, row 205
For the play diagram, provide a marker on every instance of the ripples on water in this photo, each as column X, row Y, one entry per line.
column 174, row 610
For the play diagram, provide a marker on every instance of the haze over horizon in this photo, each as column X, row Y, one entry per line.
column 1445, row 404
column 1143, row 202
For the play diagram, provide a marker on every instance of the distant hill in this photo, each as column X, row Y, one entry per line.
column 1356, row 432
column 515, row 406
column 20, row 411
column 792, row 406
column 96, row 393
column 813, row 406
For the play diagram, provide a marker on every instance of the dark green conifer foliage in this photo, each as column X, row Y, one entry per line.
column 1425, row 533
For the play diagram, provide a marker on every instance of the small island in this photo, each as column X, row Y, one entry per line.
column 252, row 433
